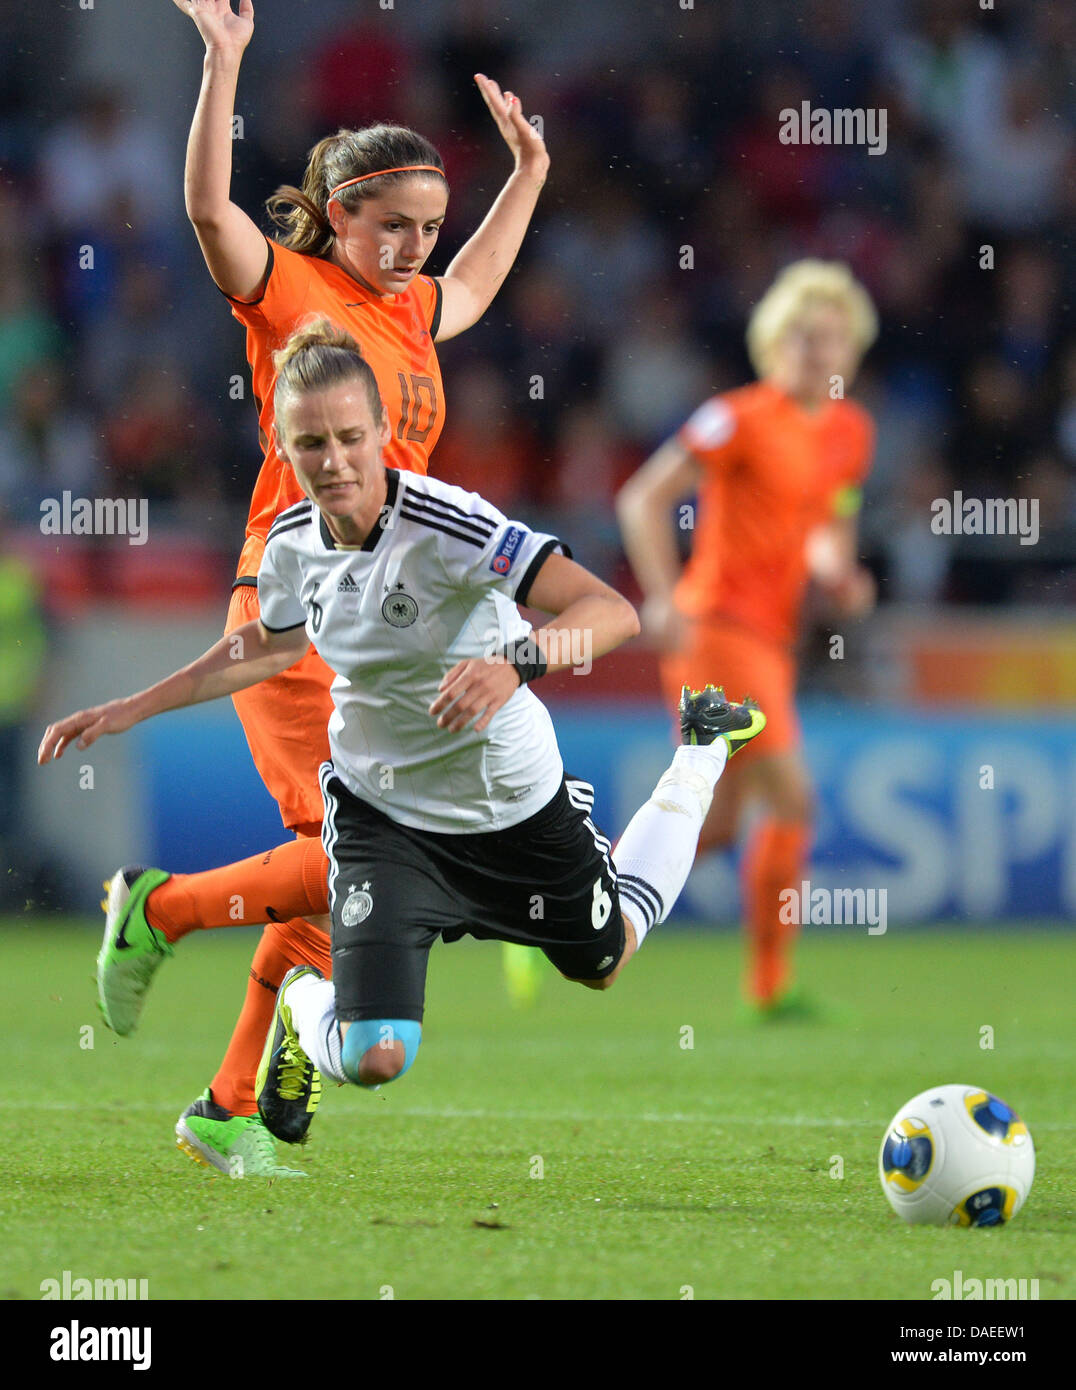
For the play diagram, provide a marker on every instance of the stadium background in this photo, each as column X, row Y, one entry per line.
column 121, row 381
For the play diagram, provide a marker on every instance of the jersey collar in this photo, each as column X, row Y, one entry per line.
column 392, row 483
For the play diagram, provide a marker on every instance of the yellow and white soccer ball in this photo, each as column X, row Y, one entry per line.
column 956, row 1156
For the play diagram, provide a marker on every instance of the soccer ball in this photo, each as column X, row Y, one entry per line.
column 956, row 1156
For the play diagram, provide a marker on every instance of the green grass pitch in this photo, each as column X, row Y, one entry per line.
column 578, row 1150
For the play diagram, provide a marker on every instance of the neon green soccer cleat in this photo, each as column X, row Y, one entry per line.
column 288, row 1085
column 705, row 716
column 793, row 1005
column 525, row 967
column 131, row 950
column 238, row 1145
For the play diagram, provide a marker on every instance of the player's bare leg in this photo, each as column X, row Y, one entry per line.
column 724, row 818
column 380, row 1063
column 783, row 783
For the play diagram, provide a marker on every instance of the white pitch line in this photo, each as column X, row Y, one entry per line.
column 723, row 1121
column 558, row 1117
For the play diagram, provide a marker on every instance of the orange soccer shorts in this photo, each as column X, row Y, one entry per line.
column 717, row 651
column 286, row 721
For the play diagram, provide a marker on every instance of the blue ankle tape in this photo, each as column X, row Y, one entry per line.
column 368, row 1032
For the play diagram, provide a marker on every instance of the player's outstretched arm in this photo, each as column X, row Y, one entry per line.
column 644, row 509
column 233, row 247
column 241, row 658
column 478, row 271
column 592, row 619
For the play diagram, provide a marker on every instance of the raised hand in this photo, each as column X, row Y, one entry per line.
column 222, row 30
column 527, row 146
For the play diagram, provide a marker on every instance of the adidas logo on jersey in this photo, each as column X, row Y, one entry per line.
column 347, row 585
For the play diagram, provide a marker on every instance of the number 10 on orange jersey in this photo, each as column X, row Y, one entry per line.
column 420, row 397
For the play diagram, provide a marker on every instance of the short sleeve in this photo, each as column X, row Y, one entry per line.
column 278, row 599
column 507, row 559
column 285, row 291
column 512, row 558
column 711, row 434
column 429, row 293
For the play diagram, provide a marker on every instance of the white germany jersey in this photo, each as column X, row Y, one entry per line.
column 435, row 584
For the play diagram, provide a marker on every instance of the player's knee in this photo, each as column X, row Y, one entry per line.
column 798, row 807
column 380, row 1064
column 795, row 799
column 792, row 798
column 378, row 1050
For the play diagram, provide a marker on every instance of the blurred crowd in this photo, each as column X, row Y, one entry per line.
column 670, row 207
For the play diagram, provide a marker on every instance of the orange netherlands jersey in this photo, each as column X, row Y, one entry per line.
column 771, row 473
column 395, row 333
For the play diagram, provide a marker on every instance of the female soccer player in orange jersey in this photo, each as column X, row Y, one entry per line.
column 357, row 235
column 777, row 467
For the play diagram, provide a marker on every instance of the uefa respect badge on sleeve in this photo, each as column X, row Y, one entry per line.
column 506, row 552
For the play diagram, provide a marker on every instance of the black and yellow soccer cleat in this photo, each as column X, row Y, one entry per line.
column 705, row 715
column 288, row 1086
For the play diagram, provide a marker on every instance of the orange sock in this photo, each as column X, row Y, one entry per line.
column 283, row 945
column 775, row 859
column 290, row 881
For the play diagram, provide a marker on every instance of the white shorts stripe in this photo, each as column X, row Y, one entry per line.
column 581, row 796
column 329, row 833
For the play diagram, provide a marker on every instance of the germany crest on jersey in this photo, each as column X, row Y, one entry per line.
column 435, row 583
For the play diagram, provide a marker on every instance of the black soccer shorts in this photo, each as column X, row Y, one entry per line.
column 546, row 882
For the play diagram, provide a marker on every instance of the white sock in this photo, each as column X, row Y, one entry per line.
column 313, row 1011
column 656, row 852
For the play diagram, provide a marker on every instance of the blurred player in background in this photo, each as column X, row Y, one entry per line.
column 777, row 468
column 357, row 235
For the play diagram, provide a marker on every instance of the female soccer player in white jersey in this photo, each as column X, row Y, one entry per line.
column 447, row 807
